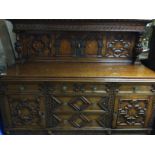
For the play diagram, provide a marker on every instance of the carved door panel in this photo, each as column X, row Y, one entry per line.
column 78, row 111
column 132, row 111
column 25, row 111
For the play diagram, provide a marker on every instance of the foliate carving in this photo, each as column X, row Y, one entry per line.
column 79, row 120
column 29, row 45
column 119, row 48
column 119, row 45
column 132, row 112
column 79, row 103
column 25, row 112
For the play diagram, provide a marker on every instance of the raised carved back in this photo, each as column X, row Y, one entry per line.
column 76, row 40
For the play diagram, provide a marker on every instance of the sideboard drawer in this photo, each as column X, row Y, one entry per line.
column 22, row 87
column 135, row 88
column 73, row 88
column 56, row 88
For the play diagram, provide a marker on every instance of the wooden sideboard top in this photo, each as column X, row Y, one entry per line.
column 99, row 72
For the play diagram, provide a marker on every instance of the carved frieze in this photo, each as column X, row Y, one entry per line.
column 67, row 44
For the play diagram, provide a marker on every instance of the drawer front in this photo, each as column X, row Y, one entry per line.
column 136, row 88
column 56, row 88
column 132, row 111
column 25, row 111
column 23, row 87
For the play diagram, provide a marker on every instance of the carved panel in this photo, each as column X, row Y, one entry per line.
column 91, row 47
column 119, row 45
column 133, row 112
column 26, row 111
column 65, row 47
column 30, row 45
column 63, row 44
column 93, row 44
column 73, row 44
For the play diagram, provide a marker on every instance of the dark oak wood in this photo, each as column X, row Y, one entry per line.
column 78, row 77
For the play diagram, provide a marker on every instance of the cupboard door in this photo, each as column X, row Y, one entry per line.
column 78, row 111
column 25, row 111
column 132, row 111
